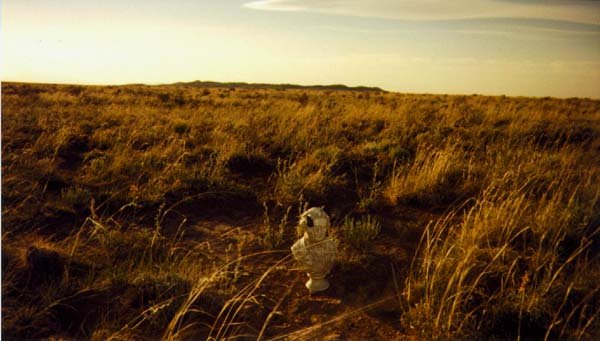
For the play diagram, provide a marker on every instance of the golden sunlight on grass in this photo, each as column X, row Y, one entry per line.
column 136, row 212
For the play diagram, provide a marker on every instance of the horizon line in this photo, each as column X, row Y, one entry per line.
column 303, row 85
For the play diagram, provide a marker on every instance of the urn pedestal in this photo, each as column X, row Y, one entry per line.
column 316, row 284
column 315, row 251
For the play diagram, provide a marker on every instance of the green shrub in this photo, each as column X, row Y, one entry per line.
column 360, row 233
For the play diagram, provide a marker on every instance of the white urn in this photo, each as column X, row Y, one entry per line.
column 315, row 251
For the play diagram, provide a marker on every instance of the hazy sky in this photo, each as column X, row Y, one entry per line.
column 513, row 47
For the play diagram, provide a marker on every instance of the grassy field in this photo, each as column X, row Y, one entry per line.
column 138, row 211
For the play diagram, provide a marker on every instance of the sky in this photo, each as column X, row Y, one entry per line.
column 511, row 47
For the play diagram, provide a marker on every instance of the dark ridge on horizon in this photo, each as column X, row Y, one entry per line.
column 286, row 86
column 239, row 85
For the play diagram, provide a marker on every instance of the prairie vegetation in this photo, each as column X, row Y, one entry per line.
column 138, row 211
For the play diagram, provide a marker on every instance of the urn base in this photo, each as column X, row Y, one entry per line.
column 317, row 284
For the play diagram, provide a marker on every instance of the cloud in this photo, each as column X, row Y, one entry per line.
column 530, row 32
column 578, row 11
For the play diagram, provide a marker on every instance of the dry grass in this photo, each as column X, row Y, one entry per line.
column 135, row 212
column 512, row 263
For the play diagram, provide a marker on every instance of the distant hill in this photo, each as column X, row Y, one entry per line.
column 242, row 85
